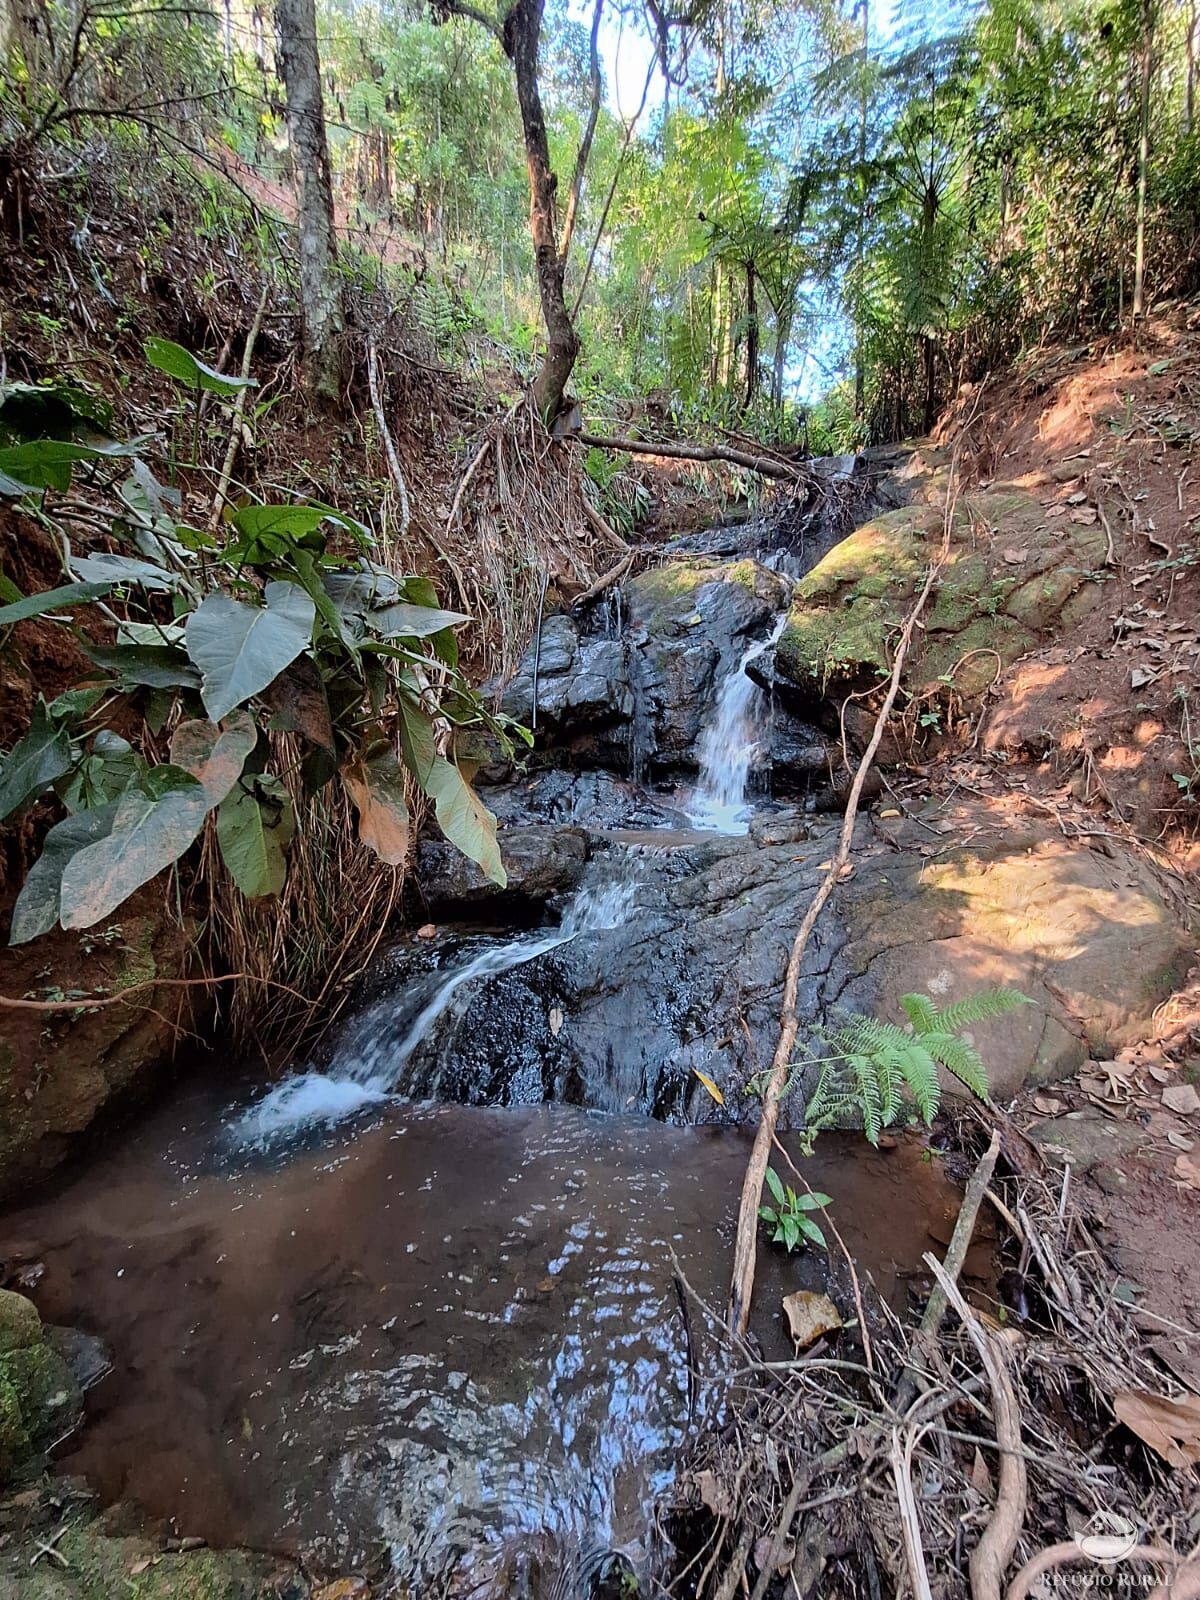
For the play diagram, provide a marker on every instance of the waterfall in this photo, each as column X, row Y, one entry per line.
column 731, row 746
column 370, row 1061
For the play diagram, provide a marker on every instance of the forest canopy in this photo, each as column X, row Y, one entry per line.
column 815, row 223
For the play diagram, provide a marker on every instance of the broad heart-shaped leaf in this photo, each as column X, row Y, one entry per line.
column 299, row 704
column 37, row 907
column 464, row 819
column 149, row 831
column 102, row 776
column 114, row 569
column 418, row 741
column 404, row 621
column 254, row 828
column 292, row 522
column 240, row 649
column 47, row 463
column 149, row 666
column 179, row 363
column 215, row 756
column 67, row 594
column 376, row 785
column 34, row 762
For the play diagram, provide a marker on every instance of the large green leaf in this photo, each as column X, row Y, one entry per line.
column 38, row 904
column 240, row 649
column 254, row 828
column 404, row 621
column 376, row 785
column 67, row 594
column 154, row 824
column 103, row 775
column 125, row 570
column 52, row 409
column 215, row 756
column 179, row 363
column 464, row 819
column 418, row 739
column 34, row 762
column 47, row 463
column 149, row 666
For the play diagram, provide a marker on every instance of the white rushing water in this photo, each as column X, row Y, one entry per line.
column 731, row 746
column 369, row 1064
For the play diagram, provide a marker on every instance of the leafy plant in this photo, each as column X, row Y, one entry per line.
column 791, row 1215
column 873, row 1064
column 218, row 649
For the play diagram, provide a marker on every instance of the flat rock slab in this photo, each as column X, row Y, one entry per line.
column 1086, row 1139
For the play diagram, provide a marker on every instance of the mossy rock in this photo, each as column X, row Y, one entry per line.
column 1009, row 579
column 39, row 1398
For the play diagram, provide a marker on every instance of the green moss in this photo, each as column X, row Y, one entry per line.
column 47, row 1394
column 102, row 1568
column 20, row 1325
column 15, row 1444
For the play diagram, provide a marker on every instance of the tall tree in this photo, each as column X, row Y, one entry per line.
column 321, row 308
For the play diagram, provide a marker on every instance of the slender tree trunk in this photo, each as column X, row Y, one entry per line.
column 1139, row 254
column 321, row 309
column 783, row 334
column 930, row 353
column 585, row 143
column 860, row 356
column 752, row 334
column 1190, row 89
column 522, row 34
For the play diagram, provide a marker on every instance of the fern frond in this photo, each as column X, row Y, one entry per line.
column 870, row 1101
column 960, row 1058
column 921, row 1076
column 920, row 1011
column 980, row 1007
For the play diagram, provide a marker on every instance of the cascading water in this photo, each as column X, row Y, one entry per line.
column 731, row 746
column 370, row 1062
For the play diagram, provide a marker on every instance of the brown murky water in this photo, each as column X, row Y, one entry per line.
column 432, row 1335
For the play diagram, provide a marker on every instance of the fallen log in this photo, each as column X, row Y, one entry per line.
column 767, row 466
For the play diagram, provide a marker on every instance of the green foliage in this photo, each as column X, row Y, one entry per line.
column 872, row 1064
column 216, row 645
column 179, row 363
column 790, row 1216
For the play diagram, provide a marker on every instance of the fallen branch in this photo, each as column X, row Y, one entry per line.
column 94, row 1002
column 910, row 1522
column 745, row 1249
column 239, row 411
column 765, row 465
column 991, row 1556
column 385, row 434
column 956, row 1254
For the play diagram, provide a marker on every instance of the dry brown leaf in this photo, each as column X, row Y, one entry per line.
column 1187, row 1170
column 712, row 1493
column 1169, row 1427
column 1182, row 1099
column 890, row 812
column 810, row 1316
column 980, row 1476
column 1047, row 1106
column 427, row 930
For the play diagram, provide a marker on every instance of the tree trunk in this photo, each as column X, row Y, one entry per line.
column 1190, row 91
column 930, row 353
column 752, row 332
column 522, row 33
column 860, row 251
column 321, row 310
column 1139, row 254
column 585, row 143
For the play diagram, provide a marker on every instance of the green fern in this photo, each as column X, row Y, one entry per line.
column 873, row 1063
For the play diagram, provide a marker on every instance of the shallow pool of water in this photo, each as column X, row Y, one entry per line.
column 436, row 1338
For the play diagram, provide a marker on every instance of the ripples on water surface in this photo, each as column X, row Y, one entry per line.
column 448, row 1336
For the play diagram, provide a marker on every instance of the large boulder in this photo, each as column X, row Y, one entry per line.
column 1013, row 577
column 574, row 690
column 622, row 1016
column 690, row 623
column 540, row 862
column 60, row 1071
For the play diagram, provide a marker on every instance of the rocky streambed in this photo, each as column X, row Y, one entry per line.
column 416, row 1312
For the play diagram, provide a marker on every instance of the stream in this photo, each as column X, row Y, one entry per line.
column 419, row 1308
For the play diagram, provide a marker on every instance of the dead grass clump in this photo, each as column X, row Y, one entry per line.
column 814, row 1477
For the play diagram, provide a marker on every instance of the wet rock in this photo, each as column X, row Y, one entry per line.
column 61, row 1072
column 540, row 861
column 584, row 699
column 799, row 756
column 996, row 599
column 589, row 799
column 40, row 1401
column 621, row 1018
column 689, row 624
